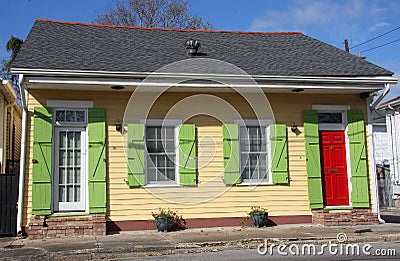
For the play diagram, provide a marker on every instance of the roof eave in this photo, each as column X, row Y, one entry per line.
column 369, row 80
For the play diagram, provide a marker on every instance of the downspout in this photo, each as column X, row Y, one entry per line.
column 24, row 98
column 384, row 93
column 372, row 166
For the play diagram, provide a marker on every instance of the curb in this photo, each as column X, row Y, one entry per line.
column 184, row 248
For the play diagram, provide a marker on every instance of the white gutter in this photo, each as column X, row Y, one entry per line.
column 372, row 166
column 321, row 79
column 384, row 93
column 231, row 83
column 24, row 96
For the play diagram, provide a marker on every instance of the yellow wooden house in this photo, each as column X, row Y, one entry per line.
column 121, row 121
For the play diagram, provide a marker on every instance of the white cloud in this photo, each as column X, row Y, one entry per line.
column 328, row 19
column 378, row 26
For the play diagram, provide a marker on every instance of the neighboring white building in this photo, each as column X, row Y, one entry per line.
column 386, row 133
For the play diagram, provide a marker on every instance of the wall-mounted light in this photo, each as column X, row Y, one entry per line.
column 117, row 87
column 294, row 127
column 118, row 125
column 297, row 90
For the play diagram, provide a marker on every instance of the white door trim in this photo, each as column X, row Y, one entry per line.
column 70, row 206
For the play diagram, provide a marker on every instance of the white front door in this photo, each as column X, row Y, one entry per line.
column 70, row 169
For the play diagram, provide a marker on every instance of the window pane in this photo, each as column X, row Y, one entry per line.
column 170, row 161
column 328, row 117
column 169, row 146
column 80, row 116
column 61, row 194
column 62, row 139
column 70, row 139
column 151, row 174
column 77, row 193
column 77, row 158
column 77, row 174
column 77, row 140
column 62, row 158
column 161, row 175
column 70, row 116
column 150, row 133
column 70, row 175
column 151, row 146
column 70, row 194
column 62, row 176
column 60, row 116
column 70, row 155
column 171, row 174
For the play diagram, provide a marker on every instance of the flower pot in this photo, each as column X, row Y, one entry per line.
column 259, row 219
column 164, row 224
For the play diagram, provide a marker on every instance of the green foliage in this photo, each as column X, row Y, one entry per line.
column 372, row 96
column 179, row 221
column 254, row 209
column 13, row 45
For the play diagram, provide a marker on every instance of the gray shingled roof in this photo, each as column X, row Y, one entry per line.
column 65, row 46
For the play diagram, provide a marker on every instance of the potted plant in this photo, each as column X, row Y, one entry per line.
column 258, row 215
column 167, row 219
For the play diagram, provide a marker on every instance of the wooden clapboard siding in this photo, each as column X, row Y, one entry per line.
column 126, row 203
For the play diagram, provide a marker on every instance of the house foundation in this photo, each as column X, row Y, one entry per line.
column 57, row 227
column 344, row 217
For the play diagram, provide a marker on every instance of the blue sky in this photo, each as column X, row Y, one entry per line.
column 330, row 21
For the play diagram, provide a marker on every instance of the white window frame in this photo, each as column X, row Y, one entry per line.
column 168, row 123
column 264, row 124
column 71, row 208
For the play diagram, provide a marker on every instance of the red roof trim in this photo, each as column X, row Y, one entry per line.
column 389, row 101
column 161, row 29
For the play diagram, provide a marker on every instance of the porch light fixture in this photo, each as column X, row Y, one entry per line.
column 298, row 90
column 294, row 127
column 118, row 125
column 117, row 87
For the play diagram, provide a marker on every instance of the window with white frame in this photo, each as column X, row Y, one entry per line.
column 161, row 147
column 254, row 148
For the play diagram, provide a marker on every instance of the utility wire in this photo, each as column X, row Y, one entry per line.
column 380, row 46
column 375, row 38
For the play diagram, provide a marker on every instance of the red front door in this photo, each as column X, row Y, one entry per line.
column 334, row 171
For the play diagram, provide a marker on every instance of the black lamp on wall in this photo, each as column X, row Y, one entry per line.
column 118, row 125
column 294, row 127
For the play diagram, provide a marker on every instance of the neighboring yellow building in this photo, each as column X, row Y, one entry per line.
column 10, row 132
column 10, row 147
column 122, row 121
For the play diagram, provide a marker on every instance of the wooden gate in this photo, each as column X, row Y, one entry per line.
column 8, row 204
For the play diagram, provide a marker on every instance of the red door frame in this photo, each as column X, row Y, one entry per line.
column 334, row 168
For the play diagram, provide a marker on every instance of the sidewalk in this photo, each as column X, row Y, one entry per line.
column 143, row 243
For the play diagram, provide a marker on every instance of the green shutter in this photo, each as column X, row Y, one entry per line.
column 187, row 154
column 313, row 161
column 42, row 157
column 230, row 134
column 358, row 159
column 136, row 155
column 279, row 168
column 97, row 160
